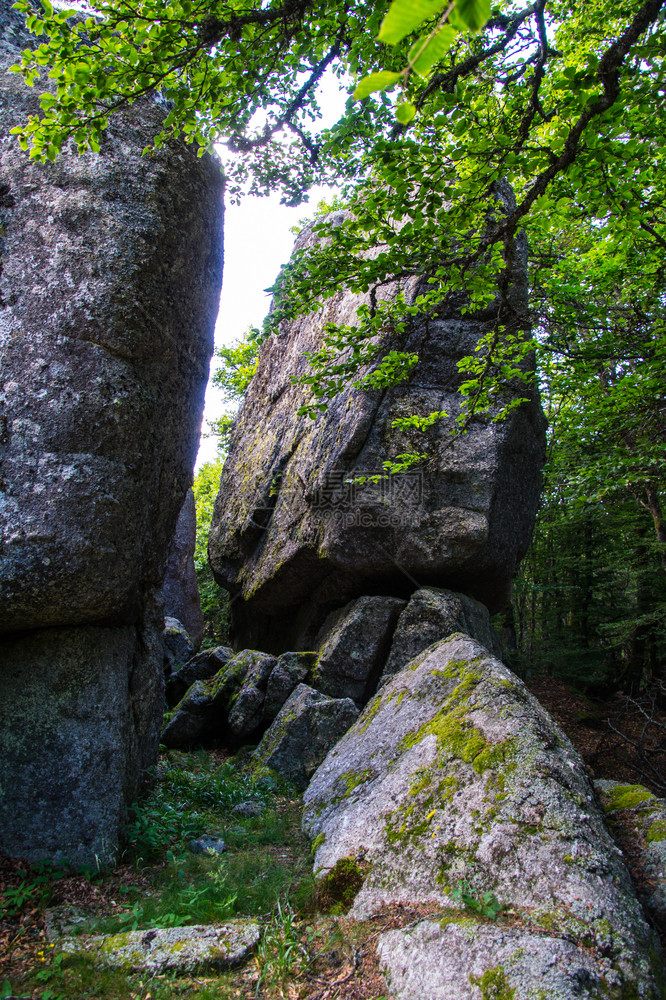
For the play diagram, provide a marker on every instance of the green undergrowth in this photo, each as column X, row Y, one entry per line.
column 265, row 872
column 190, row 793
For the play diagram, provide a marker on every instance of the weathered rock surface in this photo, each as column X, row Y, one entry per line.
column 432, row 615
column 180, row 590
column 290, row 670
column 355, row 644
column 638, row 818
column 80, row 716
column 466, row 960
column 309, row 724
column 201, row 667
column 171, row 949
column 178, row 646
column 111, row 268
column 296, row 538
column 454, row 776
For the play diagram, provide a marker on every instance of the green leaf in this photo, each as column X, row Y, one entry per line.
column 405, row 16
column 376, row 81
column 425, row 53
column 405, row 112
column 472, row 14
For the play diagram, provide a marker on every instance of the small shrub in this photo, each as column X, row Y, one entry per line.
column 486, row 905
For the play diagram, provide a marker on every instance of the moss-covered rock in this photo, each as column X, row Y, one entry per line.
column 638, row 818
column 339, row 888
column 171, row 949
column 228, row 706
column 466, row 781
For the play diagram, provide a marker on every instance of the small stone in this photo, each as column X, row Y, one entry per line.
column 253, row 807
column 61, row 921
column 207, row 845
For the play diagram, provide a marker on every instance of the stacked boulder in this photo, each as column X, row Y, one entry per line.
column 111, row 271
column 295, row 535
column 453, row 807
column 301, row 703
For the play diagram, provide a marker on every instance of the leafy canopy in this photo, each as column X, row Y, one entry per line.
column 546, row 119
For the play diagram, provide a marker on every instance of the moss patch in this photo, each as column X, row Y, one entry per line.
column 339, row 888
column 494, row 985
column 627, row 797
column 352, row 779
column 656, row 832
column 370, row 712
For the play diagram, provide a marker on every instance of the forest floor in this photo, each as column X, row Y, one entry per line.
column 304, row 954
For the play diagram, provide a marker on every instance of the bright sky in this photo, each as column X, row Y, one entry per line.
column 257, row 242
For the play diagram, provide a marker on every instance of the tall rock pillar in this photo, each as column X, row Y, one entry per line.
column 111, row 271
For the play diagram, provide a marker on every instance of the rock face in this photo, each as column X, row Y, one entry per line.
column 111, row 269
column 308, row 725
column 454, row 780
column 180, row 590
column 297, row 539
column 356, row 641
column 80, row 715
column 431, row 615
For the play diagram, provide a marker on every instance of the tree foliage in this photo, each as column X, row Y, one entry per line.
column 232, row 377
column 214, row 604
column 475, row 128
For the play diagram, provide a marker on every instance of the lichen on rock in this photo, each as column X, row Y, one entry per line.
column 474, row 785
column 171, row 949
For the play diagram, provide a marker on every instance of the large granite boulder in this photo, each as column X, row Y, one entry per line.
column 111, row 269
column 180, row 588
column 296, row 536
column 462, row 794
